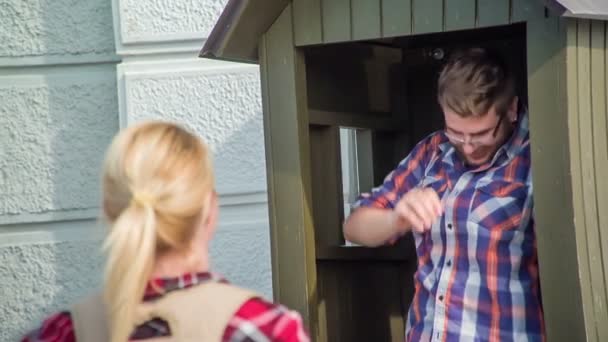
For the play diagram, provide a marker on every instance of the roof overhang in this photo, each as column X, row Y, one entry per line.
column 589, row 9
column 237, row 32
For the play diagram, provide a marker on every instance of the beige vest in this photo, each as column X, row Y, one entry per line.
column 198, row 313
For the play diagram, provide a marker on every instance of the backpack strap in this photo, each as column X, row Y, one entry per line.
column 198, row 313
column 89, row 319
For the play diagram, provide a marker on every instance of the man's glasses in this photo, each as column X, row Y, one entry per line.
column 483, row 140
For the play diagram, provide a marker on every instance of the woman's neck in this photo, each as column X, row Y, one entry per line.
column 173, row 265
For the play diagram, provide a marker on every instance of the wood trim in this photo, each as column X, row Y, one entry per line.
column 553, row 200
column 288, row 170
column 392, row 253
column 375, row 121
column 307, row 24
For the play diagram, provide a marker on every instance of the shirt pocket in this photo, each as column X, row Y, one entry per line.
column 499, row 205
column 439, row 184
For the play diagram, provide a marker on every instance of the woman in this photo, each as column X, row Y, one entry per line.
column 158, row 196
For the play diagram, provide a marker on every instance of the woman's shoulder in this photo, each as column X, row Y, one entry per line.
column 260, row 320
column 56, row 328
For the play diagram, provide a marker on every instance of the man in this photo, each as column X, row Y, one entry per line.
column 466, row 194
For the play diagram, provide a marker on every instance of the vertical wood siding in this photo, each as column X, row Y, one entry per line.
column 588, row 113
column 330, row 21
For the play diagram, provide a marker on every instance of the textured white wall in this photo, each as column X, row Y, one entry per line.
column 161, row 77
column 161, row 20
column 55, row 28
column 58, row 111
column 71, row 72
column 222, row 103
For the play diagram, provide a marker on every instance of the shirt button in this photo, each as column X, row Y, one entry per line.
column 449, row 263
column 440, row 297
column 449, row 226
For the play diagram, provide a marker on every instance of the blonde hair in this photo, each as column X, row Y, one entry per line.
column 157, row 182
column 473, row 80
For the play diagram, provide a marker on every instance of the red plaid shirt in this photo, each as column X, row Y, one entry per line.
column 256, row 320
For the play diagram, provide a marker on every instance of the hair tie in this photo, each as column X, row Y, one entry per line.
column 143, row 199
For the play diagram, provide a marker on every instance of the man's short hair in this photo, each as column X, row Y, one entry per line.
column 474, row 80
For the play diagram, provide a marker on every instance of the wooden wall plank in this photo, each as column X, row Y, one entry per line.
column 327, row 194
column 366, row 22
column 336, row 21
column 307, row 22
column 460, row 14
column 600, row 148
column 427, row 16
column 396, row 18
column 376, row 121
column 577, row 181
column 493, row 12
column 588, row 176
column 363, row 299
column 522, row 10
column 556, row 239
column 286, row 142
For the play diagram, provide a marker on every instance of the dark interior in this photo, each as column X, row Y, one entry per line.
column 389, row 88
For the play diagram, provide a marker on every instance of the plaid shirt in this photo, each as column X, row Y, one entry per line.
column 477, row 276
column 255, row 321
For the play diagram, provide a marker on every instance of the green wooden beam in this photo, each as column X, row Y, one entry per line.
column 396, row 18
column 336, row 21
column 288, row 170
column 459, row 14
column 553, row 200
column 307, row 22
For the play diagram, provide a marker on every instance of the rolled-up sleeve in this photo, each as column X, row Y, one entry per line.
column 408, row 174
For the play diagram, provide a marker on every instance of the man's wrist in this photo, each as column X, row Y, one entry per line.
column 392, row 221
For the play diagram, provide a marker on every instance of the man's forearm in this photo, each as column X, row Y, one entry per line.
column 370, row 227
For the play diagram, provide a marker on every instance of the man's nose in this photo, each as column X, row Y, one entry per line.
column 467, row 148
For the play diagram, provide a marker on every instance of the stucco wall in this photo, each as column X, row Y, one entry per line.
column 58, row 111
column 161, row 77
column 71, row 73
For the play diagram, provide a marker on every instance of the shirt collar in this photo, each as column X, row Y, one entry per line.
column 159, row 286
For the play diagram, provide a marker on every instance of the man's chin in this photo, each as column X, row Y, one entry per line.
column 476, row 161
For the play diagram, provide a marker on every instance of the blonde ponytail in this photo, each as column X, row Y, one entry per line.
column 130, row 248
column 157, row 177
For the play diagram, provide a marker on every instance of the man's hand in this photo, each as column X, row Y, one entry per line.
column 418, row 209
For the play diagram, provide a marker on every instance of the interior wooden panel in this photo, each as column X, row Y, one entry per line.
column 356, row 84
column 365, row 300
column 326, row 185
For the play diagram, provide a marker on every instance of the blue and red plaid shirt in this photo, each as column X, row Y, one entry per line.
column 477, row 276
column 255, row 321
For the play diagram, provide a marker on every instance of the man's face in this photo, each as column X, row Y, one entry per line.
column 477, row 138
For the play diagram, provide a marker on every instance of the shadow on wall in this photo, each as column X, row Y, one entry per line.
column 224, row 107
column 240, row 249
column 60, row 120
